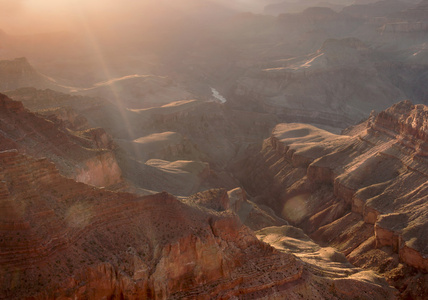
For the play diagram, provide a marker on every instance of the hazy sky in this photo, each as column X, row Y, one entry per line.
column 34, row 16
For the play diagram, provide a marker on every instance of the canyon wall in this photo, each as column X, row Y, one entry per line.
column 358, row 192
column 86, row 156
column 64, row 239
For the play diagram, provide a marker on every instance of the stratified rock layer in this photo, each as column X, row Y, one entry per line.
column 63, row 239
column 83, row 155
column 357, row 192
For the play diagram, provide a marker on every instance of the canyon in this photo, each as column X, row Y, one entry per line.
column 85, row 155
column 363, row 192
column 201, row 151
column 61, row 238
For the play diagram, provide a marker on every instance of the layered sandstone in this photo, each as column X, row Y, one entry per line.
column 358, row 192
column 250, row 214
column 83, row 155
column 63, row 239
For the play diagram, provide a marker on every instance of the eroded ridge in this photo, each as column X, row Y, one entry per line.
column 86, row 155
column 60, row 237
column 359, row 192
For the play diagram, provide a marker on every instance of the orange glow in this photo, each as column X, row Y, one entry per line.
column 38, row 16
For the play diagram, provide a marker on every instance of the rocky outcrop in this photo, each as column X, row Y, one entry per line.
column 408, row 123
column 250, row 214
column 64, row 239
column 101, row 170
column 84, row 156
column 331, row 266
column 65, row 117
column 371, row 184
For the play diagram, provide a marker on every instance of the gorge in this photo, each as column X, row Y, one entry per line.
column 195, row 150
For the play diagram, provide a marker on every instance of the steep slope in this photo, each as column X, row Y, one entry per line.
column 183, row 146
column 254, row 216
column 18, row 73
column 83, row 155
column 364, row 192
column 42, row 99
column 156, row 144
column 60, row 238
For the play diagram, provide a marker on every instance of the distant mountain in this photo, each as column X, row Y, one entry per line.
column 299, row 6
column 376, row 9
column 336, row 85
column 18, row 73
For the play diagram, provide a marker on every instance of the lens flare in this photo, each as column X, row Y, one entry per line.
column 79, row 215
column 295, row 208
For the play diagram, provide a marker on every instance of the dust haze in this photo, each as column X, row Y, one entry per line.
column 40, row 16
column 152, row 149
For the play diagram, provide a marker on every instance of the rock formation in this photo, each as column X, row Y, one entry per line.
column 328, row 87
column 60, row 238
column 69, row 231
column 363, row 192
column 254, row 216
column 83, row 155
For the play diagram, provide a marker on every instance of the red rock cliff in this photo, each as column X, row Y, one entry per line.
column 344, row 190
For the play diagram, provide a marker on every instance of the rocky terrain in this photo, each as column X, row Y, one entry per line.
column 84, row 155
column 61, row 238
column 328, row 87
column 197, row 150
column 363, row 192
column 164, row 147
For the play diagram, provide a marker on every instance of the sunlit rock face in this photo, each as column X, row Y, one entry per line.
column 63, row 239
column 85, row 156
column 102, row 244
column 363, row 192
column 250, row 214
